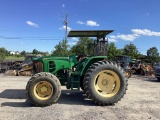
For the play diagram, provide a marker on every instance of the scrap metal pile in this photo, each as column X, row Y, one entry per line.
column 18, row 68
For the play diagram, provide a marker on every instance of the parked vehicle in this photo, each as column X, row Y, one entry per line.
column 157, row 70
column 142, row 67
column 104, row 82
column 23, row 68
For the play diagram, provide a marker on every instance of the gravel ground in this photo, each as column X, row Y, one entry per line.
column 141, row 102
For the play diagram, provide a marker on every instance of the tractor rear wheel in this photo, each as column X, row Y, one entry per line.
column 105, row 83
column 43, row 89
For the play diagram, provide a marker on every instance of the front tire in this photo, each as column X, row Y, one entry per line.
column 105, row 83
column 43, row 89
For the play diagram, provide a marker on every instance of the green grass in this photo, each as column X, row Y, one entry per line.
column 13, row 58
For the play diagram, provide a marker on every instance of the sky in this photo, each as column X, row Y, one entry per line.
column 39, row 24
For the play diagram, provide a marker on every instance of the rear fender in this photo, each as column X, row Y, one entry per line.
column 85, row 63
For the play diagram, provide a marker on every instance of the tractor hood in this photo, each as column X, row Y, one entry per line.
column 51, row 58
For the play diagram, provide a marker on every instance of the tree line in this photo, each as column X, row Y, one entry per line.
column 85, row 46
column 5, row 53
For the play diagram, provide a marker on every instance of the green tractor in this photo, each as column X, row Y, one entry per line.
column 103, row 81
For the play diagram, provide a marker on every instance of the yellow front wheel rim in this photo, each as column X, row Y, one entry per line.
column 43, row 90
column 107, row 83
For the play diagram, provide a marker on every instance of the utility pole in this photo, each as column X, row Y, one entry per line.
column 66, row 23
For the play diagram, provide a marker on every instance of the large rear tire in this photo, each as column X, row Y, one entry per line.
column 105, row 83
column 43, row 89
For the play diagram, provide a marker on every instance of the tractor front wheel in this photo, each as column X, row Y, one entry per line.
column 105, row 83
column 43, row 89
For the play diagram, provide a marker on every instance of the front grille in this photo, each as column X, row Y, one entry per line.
column 37, row 66
column 52, row 66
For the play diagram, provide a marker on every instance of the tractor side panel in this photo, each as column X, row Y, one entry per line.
column 58, row 67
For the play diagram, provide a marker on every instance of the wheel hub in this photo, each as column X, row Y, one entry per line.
column 107, row 83
column 43, row 90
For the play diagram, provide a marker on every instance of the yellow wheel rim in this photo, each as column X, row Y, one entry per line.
column 127, row 74
column 107, row 83
column 43, row 90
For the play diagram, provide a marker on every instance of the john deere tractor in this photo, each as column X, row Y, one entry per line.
column 103, row 81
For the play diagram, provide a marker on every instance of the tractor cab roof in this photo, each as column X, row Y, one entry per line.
column 100, row 44
column 89, row 33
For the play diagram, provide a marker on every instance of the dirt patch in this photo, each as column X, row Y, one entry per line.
column 142, row 101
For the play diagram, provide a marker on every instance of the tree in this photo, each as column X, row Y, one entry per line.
column 84, row 46
column 158, row 59
column 35, row 51
column 153, row 54
column 23, row 53
column 131, row 50
column 120, row 51
column 62, row 48
column 44, row 53
column 3, row 53
column 112, row 51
